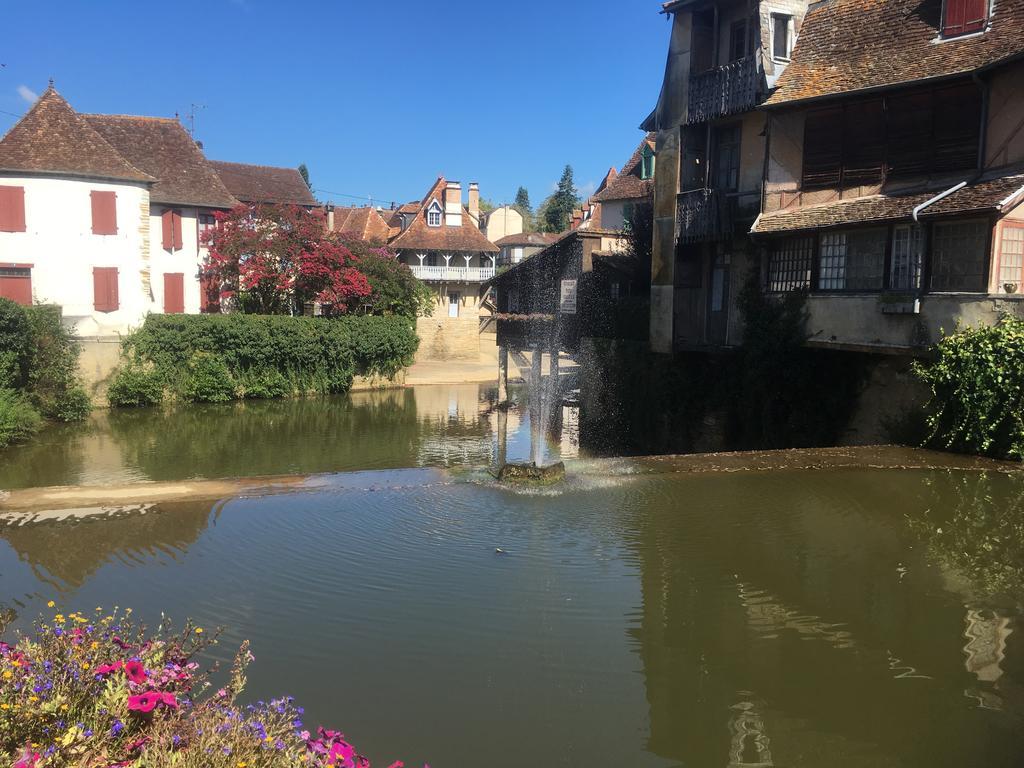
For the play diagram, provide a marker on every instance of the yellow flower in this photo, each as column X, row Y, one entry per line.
column 5, row 706
column 199, row 630
column 93, row 645
column 242, row 764
column 8, row 674
column 33, row 698
column 50, row 604
column 59, row 618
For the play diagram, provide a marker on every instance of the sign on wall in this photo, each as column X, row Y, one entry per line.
column 567, row 305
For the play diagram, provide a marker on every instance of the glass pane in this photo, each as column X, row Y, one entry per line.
column 832, row 269
column 1011, row 259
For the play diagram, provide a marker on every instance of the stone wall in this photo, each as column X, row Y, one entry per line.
column 449, row 338
column 97, row 361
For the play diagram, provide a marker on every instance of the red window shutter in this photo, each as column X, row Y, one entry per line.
column 104, row 285
column 16, row 285
column 176, row 229
column 165, row 221
column 12, row 209
column 104, row 213
column 963, row 16
column 174, row 293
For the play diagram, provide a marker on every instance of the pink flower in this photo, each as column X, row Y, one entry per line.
column 107, row 669
column 144, row 702
column 169, row 700
column 397, row 764
column 28, row 759
column 134, row 671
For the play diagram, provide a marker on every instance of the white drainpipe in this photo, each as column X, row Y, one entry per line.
column 936, row 199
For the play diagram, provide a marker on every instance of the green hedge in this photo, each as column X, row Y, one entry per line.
column 18, row 419
column 215, row 358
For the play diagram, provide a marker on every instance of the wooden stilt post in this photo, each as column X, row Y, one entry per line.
column 502, row 375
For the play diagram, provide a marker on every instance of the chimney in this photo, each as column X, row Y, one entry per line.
column 453, row 204
column 474, row 202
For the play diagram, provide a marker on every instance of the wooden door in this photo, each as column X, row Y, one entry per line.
column 718, row 301
column 174, row 293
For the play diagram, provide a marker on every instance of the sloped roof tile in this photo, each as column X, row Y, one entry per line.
column 366, row 223
column 52, row 138
column 853, row 45
column 628, row 185
column 162, row 148
column 421, row 237
column 264, row 183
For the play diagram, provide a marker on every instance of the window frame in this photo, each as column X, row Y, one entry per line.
column 915, row 242
column 434, row 209
column 1017, row 227
column 796, row 272
column 774, row 17
column 985, row 256
column 949, row 31
column 736, row 26
column 647, row 161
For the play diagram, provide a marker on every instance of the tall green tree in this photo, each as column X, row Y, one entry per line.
column 522, row 203
column 304, row 173
column 558, row 214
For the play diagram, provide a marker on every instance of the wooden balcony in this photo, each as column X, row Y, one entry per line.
column 452, row 274
column 726, row 90
column 704, row 215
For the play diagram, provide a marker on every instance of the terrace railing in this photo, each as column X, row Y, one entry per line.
column 726, row 90
column 703, row 215
column 452, row 274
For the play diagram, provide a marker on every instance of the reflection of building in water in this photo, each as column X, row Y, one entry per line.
column 986, row 635
column 65, row 554
column 750, row 744
column 768, row 616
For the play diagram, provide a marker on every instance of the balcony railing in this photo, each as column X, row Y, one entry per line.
column 452, row 274
column 703, row 215
column 725, row 90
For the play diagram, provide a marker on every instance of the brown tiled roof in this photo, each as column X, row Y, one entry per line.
column 420, row 237
column 527, row 239
column 264, row 183
column 993, row 194
column 162, row 148
column 364, row 222
column 852, row 45
column 628, row 185
column 52, row 138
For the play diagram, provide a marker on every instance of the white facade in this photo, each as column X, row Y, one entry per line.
column 59, row 247
column 502, row 222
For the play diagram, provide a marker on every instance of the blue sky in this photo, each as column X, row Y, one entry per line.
column 377, row 98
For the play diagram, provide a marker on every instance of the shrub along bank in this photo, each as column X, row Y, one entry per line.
column 38, row 371
column 977, row 390
column 217, row 358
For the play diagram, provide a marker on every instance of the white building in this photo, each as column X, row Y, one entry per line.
column 103, row 214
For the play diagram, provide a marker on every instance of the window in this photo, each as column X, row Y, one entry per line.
column 782, row 38
column 104, row 285
column 16, row 284
column 851, row 261
column 789, row 264
column 104, row 212
column 961, row 17
column 727, row 158
column 614, row 291
column 738, row 40
column 907, row 247
column 434, row 214
column 958, row 256
column 431, row 259
column 823, row 148
column 1011, row 257
column 171, row 221
column 204, row 224
column 12, row 209
column 647, row 163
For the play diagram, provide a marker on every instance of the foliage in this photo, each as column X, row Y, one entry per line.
column 304, row 173
column 486, row 206
column 53, row 384
column 394, row 290
column 272, row 259
column 639, row 232
column 15, row 344
column 522, row 203
column 208, row 380
column 100, row 690
column 977, row 384
column 558, row 210
column 18, row 419
column 214, row 358
column 134, row 386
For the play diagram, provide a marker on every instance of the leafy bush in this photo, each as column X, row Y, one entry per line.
column 268, row 356
column 15, row 344
column 264, row 385
column 18, row 419
column 977, row 384
column 208, row 380
column 101, row 691
column 53, row 383
column 132, row 386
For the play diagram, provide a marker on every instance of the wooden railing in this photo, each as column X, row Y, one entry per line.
column 452, row 274
column 726, row 90
column 703, row 215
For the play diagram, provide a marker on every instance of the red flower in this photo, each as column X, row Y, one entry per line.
column 135, row 672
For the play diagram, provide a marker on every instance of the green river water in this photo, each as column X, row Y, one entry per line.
column 837, row 616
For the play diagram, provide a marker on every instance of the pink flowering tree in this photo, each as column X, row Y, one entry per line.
column 272, row 259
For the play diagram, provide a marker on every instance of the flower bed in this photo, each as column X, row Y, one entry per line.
column 101, row 691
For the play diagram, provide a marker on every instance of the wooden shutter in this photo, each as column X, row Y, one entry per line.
column 171, row 225
column 104, row 285
column 957, row 127
column 823, row 148
column 910, row 134
column 16, row 284
column 964, row 16
column 863, row 143
column 12, row 209
column 104, row 213
column 174, row 293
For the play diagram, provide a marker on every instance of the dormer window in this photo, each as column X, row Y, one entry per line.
column 962, row 17
column 434, row 214
column 647, row 162
column 782, row 36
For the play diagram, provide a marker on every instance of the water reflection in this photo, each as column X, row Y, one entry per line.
column 421, row 426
